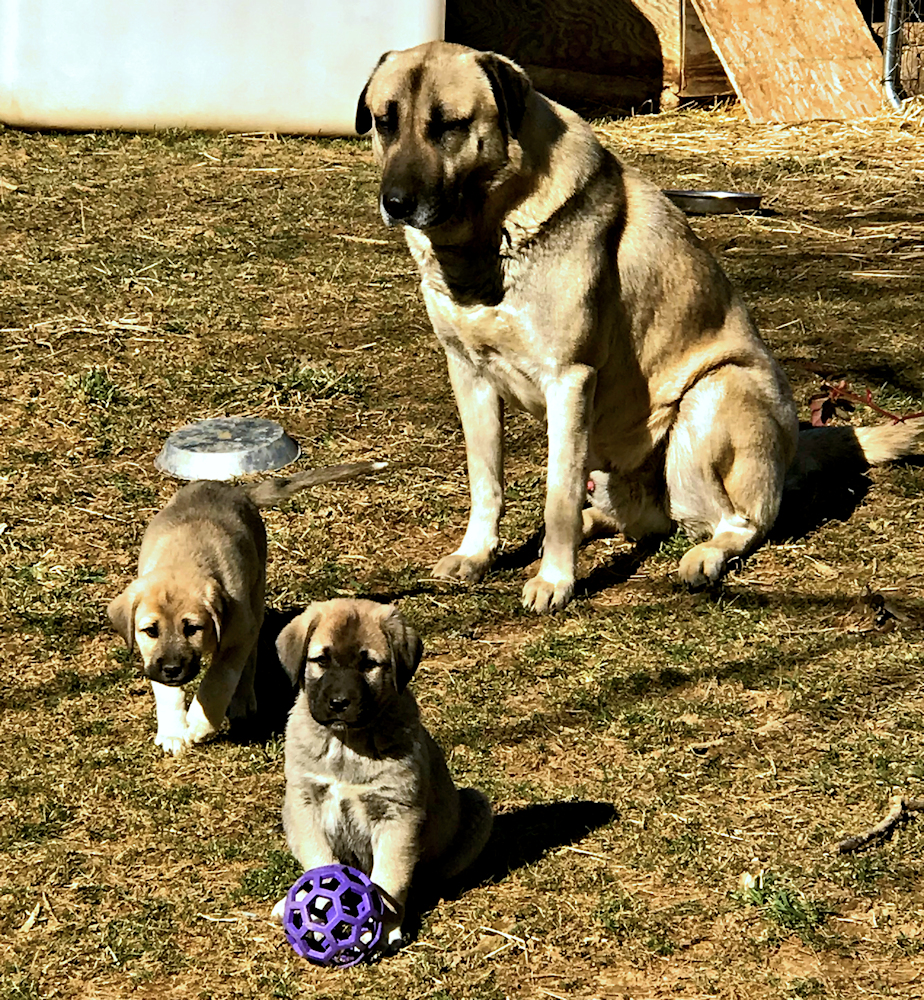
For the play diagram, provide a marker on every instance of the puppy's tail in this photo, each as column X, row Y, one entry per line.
column 273, row 491
column 475, row 821
column 852, row 450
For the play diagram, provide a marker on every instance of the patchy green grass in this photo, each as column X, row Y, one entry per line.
column 672, row 772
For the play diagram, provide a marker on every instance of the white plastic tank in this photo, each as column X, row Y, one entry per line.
column 234, row 65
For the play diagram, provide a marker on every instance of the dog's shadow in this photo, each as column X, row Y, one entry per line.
column 518, row 838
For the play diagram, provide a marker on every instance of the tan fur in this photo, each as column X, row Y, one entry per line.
column 200, row 592
column 561, row 281
column 366, row 785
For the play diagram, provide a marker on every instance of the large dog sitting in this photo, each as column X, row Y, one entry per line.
column 559, row 280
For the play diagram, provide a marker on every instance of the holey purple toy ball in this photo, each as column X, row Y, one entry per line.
column 333, row 916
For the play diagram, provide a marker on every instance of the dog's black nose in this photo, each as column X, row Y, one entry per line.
column 169, row 671
column 338, row 704
column 399, row 203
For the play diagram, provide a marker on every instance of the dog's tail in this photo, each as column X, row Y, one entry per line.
column 853, row 450
column 273, row 491
column 475, row 821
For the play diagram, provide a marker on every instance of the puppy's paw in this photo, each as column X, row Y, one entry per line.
column 392, row 940
column 198, row 726
column 172, row 743
column 469, row 569
column 544, row 596
column 702, row 565
column 278, row 911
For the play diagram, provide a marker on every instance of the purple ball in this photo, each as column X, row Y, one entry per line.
column 333, row 916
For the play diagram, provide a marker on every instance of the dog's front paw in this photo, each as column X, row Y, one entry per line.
column 702, row 565
column 455, row 566
column 198, row 726
column 172, row 743
column 544, row 596
column 278, row 911
column 392, row 940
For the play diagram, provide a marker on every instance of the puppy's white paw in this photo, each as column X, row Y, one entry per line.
column 278, row 911
column 545, row 596
column 456, row 566
column 172, row 743
column 198, row 726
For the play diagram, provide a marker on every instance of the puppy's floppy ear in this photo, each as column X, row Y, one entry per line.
column 363, row 114
column 405, row 645
column 121, row 613
column 292, row 643
column 510, row 86
column 215, row 600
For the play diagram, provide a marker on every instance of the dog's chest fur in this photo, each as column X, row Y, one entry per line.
column 351, row 791
column 503, row 337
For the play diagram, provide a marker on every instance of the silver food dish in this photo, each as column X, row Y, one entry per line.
column 225, row 447
column 715, row 202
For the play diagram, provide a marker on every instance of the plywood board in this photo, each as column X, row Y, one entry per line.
column 796, row 60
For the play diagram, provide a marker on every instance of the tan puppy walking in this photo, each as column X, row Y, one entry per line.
column 200, row 592
column 560, row 281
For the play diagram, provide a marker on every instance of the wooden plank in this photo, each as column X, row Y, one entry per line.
column 796, row 60
column 701, row 70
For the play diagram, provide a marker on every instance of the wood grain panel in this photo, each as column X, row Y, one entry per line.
column 796, row 60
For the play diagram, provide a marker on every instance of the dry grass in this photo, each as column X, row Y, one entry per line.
column 672, row 771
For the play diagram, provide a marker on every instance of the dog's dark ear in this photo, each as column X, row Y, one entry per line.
column 405, row 645
column 510, row 86
column 363, row 114
column 292, row 643
column 121, row 613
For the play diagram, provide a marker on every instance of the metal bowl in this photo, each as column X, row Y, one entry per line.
column 715, row 202
column 225, row 447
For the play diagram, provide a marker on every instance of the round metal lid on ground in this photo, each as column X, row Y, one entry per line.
column 225, row 447
column 715, row 202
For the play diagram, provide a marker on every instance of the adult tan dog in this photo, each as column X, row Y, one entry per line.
column 559, row 280
column 366, row 785
column 199, row 592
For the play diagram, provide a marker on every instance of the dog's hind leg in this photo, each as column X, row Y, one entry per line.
column 476, row 820
column 726, row 460
column 243, row 705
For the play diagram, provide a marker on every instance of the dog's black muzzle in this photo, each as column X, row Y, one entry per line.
column 341, row 699
column 171, row 670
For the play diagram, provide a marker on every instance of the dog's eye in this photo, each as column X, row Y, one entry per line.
column 191, row 628
column 322, row 660
column 386, row 125
column 151, row 631
column 366, row 663
column 443, row 128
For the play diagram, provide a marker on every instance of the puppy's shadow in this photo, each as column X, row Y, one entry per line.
column 518, row 839
column 273, row 687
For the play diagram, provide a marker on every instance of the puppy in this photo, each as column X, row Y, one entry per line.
column 199, row 592
column 366, row 785
column 560, row 281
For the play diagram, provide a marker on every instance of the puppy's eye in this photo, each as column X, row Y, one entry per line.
column 191, row 628
column 366, row 663
column 322, row 660
column 151, row 631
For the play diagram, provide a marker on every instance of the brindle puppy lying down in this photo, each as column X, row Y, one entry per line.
column 366, row 785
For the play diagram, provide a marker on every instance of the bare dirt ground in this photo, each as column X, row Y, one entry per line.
column 672, row 771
